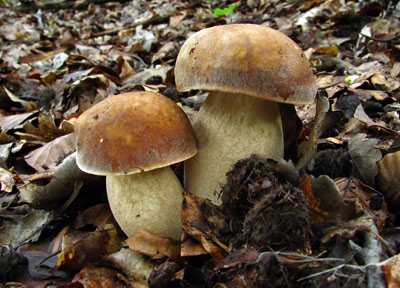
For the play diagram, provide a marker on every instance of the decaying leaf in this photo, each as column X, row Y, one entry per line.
column 331, row 200
column 99, row 216
column 9, row 122
column 51, row 154
column 46, row 127
column 348, row 229
column 28, row 229
column 391, row 269
column 6, row 180
column 93, row 277
column 153, row 245
column 66, row 178
column 82, row 248
column 364, row 156
column 133, row 264
column 195, row 224
column 363, row 199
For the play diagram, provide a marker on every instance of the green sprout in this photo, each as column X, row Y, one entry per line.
column 226, row 11
column 4, row 2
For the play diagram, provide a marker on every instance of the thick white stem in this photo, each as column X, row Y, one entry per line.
column 150, row 199
column 230, row 127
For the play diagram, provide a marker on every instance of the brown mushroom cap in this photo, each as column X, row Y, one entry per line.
column 133, row 132
column 248, row 59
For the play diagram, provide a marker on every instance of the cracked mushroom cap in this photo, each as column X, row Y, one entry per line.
column 133, row 132
column 248, row 59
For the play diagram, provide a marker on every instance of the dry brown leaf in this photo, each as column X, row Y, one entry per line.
column 194, row 224
column 176, row 19
column 330, row 50
column 364, row 198
column 99, row 216
column 6, row 180
column 315, row 203
column 9, row 122
column 82, row 248
column 153, row 245
column 331, row 200
column 191, row 247
column 125, row 69
column 96, row 277
column 137, row 266
column 40, row 57
column 46, row 127
column 27, row 229
column 391, row 272
column 348, row 229
column 47, row 157
column 380, row 82
column 364, row 155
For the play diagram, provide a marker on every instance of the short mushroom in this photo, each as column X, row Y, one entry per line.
column 132, row 138
column 234, row 62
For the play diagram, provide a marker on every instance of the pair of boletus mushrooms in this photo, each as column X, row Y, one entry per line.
column 133, row 138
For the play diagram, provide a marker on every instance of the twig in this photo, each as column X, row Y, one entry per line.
column 62, row 4
column 143, row 21
column 381, row 39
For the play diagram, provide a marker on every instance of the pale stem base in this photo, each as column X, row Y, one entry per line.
column 150, row 199
column 230, row 127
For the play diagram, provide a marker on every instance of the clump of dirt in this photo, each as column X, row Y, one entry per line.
column 334, row 163
column 266, row 211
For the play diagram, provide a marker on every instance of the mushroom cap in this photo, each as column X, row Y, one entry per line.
column 133, row 132
column 249, row 59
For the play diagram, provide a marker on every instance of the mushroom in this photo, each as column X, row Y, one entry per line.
column 132, row 138
column 389, row 180
column 234, row 62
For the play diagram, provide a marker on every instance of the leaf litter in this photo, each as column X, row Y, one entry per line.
column 326, row 216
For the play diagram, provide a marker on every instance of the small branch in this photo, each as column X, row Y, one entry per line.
column 381, row 39
column 144, row 21
column 62, row 4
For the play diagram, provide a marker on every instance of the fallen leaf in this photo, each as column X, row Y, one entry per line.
column 153, row 245
column 391, row 271
column 9, row 122
column 95, row 277
column 363, row 199
column 6, row 180
column 195, row 225
column 348, row 229
column 99, row 216
column 137, row 266
column 46, row 127
column 379, row 81
column 82, row 248
column 47, row 157
column 28, row 229
column 364, row 156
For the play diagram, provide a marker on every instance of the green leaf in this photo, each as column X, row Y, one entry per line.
column 4, row 1
column 222, row 12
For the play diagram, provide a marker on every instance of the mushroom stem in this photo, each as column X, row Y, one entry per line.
column 150, row 199
column 230, row 127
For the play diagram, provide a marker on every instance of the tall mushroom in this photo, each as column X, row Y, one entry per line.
column 132, row 138
column 234, row 62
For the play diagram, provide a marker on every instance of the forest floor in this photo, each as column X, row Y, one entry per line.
column 326, row 216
